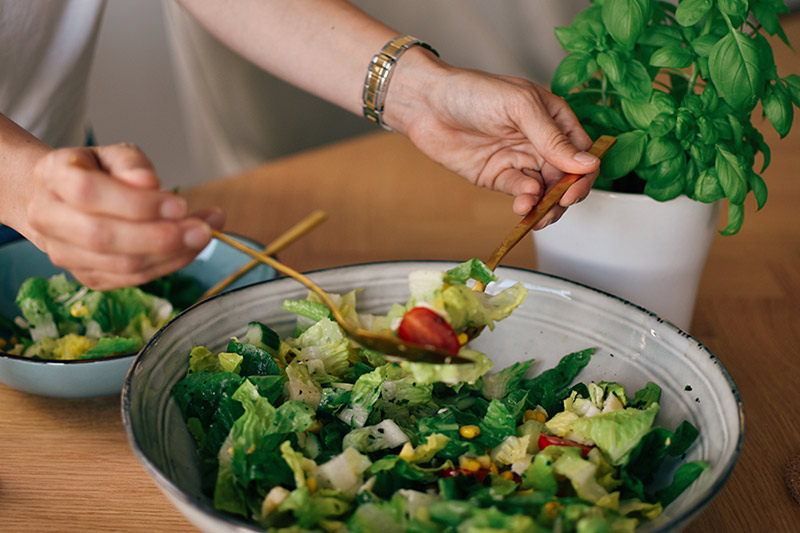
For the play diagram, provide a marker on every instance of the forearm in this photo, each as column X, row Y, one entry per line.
column 20, row 151
column 321, row 46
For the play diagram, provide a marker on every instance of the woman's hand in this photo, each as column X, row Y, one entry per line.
column 99, row 213
column 503, row 133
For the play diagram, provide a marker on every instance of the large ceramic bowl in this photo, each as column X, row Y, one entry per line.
column 634, row 347
column 87, row 378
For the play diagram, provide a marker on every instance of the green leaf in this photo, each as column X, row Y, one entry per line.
column 766, row 59
column 572, row 41
column 706, row 131
column 735, row 219
column 661, row 125
column 625, row 20
column 736, row 8
column 758, row 187
column 702, row 154
column 735, row 71
column 708, row 189
column 731, row 171
column 613, row 65
column 674, row 56
column 778, row 108
column 703, row 45
column 637, row 84
column 606, row 117
column 661, row 36
column 639, row 114
column 684, row 125
column 737, row 132
column 766, row 12
column 668, row 173
column 792, row 82
column 574, row 70
column 624, row 155
column 690, row 12
column 684, row 476
column 666, row 193
column 661, row 149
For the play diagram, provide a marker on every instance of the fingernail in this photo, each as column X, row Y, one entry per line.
column 585, row 158
column 197, row 236
column 173, row 208
column 215, row 218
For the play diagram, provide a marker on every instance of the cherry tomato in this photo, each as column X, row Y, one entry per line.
column 480, row 475
column 552, row 440
column 422, row 326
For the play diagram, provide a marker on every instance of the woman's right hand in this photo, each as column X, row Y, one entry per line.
column 100, row 213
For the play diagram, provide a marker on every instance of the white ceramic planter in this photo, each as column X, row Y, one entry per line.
column 651, row 253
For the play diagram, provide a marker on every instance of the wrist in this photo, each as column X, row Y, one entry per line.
column 395, row 87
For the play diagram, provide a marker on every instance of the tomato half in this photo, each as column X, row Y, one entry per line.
column 553, row 440
column 422, row 326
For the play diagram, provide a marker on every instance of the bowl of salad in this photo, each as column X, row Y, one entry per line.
column 578, row 412
column 60, row 339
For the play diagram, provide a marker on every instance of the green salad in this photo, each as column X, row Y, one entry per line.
column 62, row 319
column 314, row 433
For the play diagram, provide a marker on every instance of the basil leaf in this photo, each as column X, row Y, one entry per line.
column 708, row 189
column 637, row 84
column 661, row 36
column 666, row 193
column 709, row 98
column 737, row 132
column 703, row 45
column 639, row 114
column 673, row 56
column 625, row 20
column 706, row 131
column 731, row 172
column 778, row 108
column 734, row 69
column 691, row 178
column 737, row 8
column 606, row 117
column 664, row 174
column 624, row 155
column 574, row 70
column 759, row 188
column 613, row 65
column 661, row 125
column 702, row 154
column 766, row 12
column 684, row 125
column 735, row 219
column 572, row 41
column 684, row 476
column 661, row 149
column 690, row 12
column 792, row 82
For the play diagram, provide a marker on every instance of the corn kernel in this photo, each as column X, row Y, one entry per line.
column 552, row 508
column 507, row 474
column 493, row 468
column 78, row 309
column 463, row 338
column 311, row 483
column 315, row 427
column 484, row 460
column 407, row 452
column 469, row 432
column 469, row 464
column 530, row 414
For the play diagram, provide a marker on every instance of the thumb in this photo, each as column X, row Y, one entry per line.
column 556, row 148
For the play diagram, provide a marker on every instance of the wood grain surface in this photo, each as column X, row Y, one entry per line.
column 65, row 465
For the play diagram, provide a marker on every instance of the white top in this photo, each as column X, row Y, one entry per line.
column 46, row 50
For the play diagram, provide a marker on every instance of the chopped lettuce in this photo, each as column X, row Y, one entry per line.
column 310, row 434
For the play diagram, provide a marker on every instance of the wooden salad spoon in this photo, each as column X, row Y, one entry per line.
column 392, row 347
column 551, row 198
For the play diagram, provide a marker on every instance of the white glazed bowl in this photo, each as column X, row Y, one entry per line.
column 88, row 378
column 558, row 316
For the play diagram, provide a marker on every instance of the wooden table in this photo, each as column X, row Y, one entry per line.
column 66, row 465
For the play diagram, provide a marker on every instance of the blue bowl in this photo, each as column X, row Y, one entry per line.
column 88, row 378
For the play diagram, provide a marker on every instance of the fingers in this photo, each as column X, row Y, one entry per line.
column 100, row 214
column 133, row 194
column 555, row 132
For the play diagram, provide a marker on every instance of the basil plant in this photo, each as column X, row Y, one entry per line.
column 677, row 85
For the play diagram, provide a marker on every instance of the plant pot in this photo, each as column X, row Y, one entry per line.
column 648, row 252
